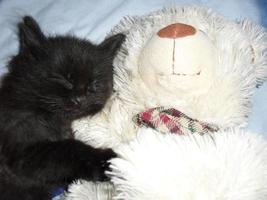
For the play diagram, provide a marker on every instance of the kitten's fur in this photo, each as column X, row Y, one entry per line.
column 51, row 82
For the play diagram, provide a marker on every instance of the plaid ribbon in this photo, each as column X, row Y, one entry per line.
column 172, row 120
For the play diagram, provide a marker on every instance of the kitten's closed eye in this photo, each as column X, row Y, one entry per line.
column 59, row 79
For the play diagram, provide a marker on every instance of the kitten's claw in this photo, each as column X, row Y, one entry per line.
column 107, row 155
column 100, row 165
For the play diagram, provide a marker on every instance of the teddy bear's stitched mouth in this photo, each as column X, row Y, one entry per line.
column 180, row 74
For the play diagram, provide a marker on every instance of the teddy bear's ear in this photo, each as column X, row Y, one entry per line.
column 257, row 37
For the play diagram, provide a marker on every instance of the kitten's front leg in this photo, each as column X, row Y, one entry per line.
column 61, row 162
column 14, row 188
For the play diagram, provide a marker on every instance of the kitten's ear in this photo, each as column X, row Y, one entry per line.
column 111, row 45
column 29, row 33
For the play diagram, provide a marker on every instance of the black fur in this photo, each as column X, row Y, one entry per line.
column 51, row 82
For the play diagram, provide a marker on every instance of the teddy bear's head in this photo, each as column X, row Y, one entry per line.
column 178, row 57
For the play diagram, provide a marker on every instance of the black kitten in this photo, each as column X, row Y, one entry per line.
column 51, row 82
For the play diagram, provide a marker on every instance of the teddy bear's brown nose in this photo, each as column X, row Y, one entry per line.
column 177, row 30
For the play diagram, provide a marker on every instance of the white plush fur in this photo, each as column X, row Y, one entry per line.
column 83, row 190
column 241, row 65
column 229, row 165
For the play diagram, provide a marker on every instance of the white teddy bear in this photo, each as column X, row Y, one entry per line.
column 203, row 66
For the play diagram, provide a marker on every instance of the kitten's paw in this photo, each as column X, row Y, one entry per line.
column 107, row 154
column 103, row 165
column 100, row 164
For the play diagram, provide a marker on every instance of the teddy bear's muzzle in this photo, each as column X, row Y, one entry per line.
column 178, row 53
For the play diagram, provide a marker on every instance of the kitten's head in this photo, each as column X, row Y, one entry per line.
column 62, row 74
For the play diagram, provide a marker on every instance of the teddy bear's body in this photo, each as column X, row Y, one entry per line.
column 220, row 95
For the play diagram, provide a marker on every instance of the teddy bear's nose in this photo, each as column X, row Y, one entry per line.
column 176, row 30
